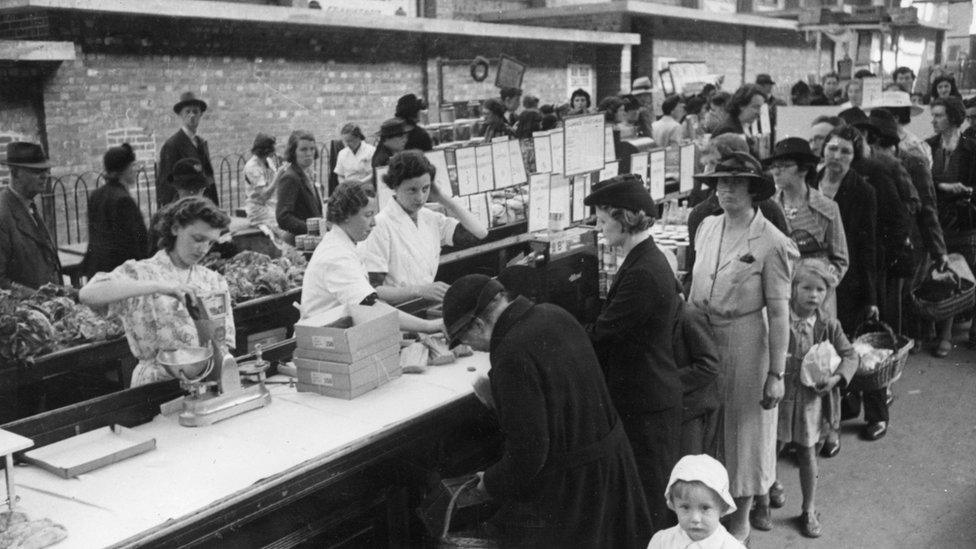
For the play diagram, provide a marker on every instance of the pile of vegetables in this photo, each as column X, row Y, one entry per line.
column 48, row 320
column 252, row 274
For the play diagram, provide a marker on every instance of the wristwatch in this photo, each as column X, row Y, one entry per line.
column 777, row 375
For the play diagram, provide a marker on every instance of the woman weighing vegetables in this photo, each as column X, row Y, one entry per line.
column 403, row 252
column 150, row 294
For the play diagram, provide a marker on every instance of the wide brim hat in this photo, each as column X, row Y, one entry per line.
column 896, row 99
column 641, row 85
column 187, row 99
column 882, row 123
column 623, row 191
column 792, row 148
column 854, row 116
column 706, row 470
column 464, row 301
column 26, row 155
column 394, row 127
column 742, row 165
column 409, row 105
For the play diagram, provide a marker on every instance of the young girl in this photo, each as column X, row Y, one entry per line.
column 800, row 410
column 698, row 492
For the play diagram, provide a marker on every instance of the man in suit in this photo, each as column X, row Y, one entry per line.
column 28, row 256
column 185, row 143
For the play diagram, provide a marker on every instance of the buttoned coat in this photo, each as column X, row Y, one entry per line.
column 27, row 253
column 176, row 148
column 296, row 201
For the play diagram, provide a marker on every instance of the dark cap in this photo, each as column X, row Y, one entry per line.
column 792, row 148
column 467, row 298
column 188, row 175
column 495, row 107
column 263, row 142
column 853, row 116
column 764, row 79
column 393, row 127
column 740, row 164
column 118, row 158
column 623, row 191
column 882, row 124
column 409, row 105
column 26, row 155
column 187, row 99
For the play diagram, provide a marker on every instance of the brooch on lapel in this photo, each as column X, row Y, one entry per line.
column 748, row 258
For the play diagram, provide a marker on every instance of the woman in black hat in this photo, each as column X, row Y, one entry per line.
column 741, row 282
column 495, row 122
column 408, row 108
column 116, row 229
column 632, row 336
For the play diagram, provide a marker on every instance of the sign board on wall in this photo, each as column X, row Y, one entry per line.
column 580, row 76
column 406, row 8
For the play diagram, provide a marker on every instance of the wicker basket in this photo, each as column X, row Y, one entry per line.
column 963, row 243
column 960, row 301
column 890, row 369
column 461, row 540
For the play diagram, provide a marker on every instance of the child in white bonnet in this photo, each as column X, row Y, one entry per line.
column 698, row 492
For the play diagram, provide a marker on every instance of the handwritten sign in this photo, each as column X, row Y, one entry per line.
column 610, row 169
column 467, row 170
column 686, row 179
column 657, row 177
column 580, row 185
column 442, row 178
column 639, row 164
column 515, row 159
column 538, row 202
column 543, row 153
column 557, row 142
column 581, row 150
column 559, row 200
column 486, row 174
column 500, row 161
column 479, row 208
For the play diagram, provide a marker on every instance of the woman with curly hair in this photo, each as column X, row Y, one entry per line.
column 336, row 274
column 150, row 295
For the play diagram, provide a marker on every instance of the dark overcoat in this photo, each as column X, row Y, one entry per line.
column 116, row 229
column 567, row 476
column 296, row 201
column 27, row 253
column 176, row 148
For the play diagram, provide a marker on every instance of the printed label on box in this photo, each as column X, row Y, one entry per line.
column 321, row 378
column 323, row 342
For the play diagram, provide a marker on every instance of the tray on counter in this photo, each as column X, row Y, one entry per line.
column 89, row 451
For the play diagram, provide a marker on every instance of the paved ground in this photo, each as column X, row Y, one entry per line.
column 915, row 488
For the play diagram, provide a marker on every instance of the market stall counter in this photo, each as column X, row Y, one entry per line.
column 211, row 485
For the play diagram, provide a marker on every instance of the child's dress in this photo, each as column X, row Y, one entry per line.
column 800, row 411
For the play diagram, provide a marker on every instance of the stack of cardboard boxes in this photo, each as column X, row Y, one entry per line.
column 347, row 351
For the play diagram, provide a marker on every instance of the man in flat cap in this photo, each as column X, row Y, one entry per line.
column 567, row 477
column 28, row 256
column 185, row 143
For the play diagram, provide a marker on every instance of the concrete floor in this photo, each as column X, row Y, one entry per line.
column 914, row 488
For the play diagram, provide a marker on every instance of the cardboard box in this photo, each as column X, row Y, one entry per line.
column 348, row 380
column 347, row 334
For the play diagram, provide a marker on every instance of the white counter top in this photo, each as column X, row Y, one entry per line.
column 207, row 468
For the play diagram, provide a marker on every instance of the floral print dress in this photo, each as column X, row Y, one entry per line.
column 159, row 322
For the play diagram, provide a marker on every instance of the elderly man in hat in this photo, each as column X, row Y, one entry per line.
column 394, row 133
column 185, row 143
column 28, row 256
column 567, row 476
column 408, row 109
column 641, row 89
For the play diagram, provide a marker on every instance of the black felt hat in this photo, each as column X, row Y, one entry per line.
column 467, row 298
column 187, row 99
column 188, row 175
column 792, row 148
column 743, row 165
column 26, row 155
column 882, row 123
column 409, row 105
column 623, row 191
column 394, row 127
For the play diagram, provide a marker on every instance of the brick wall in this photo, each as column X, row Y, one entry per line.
column 767, row 50
column 720, row 46
column 24, row 26
column 20, row 119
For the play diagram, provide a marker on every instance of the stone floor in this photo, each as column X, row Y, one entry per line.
column 914, row 488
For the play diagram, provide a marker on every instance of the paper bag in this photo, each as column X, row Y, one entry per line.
column 820, row 362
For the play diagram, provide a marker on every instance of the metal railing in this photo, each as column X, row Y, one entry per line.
column 70, row 192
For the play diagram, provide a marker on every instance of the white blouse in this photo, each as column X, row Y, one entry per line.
column 358, row 165
column 335, row 275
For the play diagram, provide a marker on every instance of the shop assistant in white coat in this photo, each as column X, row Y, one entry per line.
column 403, row 251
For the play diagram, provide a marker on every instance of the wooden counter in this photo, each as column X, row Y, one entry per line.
column 356, row 465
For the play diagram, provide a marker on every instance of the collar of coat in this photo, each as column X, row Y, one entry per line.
column 508, row 319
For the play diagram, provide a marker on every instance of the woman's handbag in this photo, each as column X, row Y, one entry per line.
column 945, row 294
